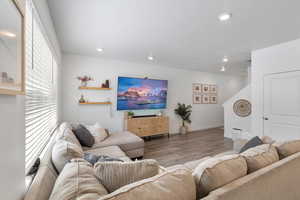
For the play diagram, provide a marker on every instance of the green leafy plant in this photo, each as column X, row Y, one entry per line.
column 184, row 112
column 130, row 114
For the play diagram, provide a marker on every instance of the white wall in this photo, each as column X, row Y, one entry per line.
column 231, row 120
column 280, row 58
column 180, row 90
column 12, row 137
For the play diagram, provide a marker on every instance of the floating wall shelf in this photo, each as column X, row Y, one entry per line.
column 93, row 88
column 96, row 103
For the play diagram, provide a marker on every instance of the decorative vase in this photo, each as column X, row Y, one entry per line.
column 83, row 83
column 183, row 130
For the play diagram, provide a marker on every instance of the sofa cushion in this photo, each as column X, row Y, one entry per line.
column 77, row 181
column 170, row 185
column 193, row 164
column 287, row 148
column 100, row 134
column 125, row 140
column 63, row 151
column 111, row 151
column 65, row 132
column 84, row 136
column 260, row 156
column 256, row 141
column 218, row 171
column 114, row 175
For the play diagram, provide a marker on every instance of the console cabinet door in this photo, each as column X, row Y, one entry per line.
column 148, row 126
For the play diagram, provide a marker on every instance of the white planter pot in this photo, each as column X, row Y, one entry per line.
column 183, row 130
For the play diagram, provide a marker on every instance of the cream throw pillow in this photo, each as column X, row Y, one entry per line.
column 287, row 148
column 64, row 151
column 100, row 134
column 218, row 171
column 171, row 185
column 77, row 181
column 260, row 157
column 114, row 175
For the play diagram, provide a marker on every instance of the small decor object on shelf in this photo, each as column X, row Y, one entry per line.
column 159, row 114
column 84, row 80
column 242, row 108
column 106, row 84
column 130, row 114
column 82, row 100
column 184, row 112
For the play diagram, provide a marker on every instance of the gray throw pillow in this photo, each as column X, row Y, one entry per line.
column 92, row 158
column 256, row 141
column 84, row 136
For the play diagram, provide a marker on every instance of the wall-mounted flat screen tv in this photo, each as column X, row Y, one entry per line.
column 141, row 93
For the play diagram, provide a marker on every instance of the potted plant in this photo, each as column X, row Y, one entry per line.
column 184, row 112
column 130, row 114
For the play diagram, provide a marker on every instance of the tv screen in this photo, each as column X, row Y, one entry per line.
column 141, row 94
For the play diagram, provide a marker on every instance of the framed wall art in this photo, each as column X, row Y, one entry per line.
column 197, row 99
column 205, row 88
column 205, row 99
column 197, row 88
column 12, row 67
column 205, row 93
column 213, row 99
column 213, row 89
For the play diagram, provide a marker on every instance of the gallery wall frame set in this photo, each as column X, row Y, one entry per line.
column 12, row 34
column 205, row 93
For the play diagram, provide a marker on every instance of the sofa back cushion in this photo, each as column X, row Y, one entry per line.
column 114, row 175
column 65, row 132
column 64, row 151
column 260, row 156
column 77, row 181
column 177, row 184
column 218, row 171
column 279, row 181
column 287, row 148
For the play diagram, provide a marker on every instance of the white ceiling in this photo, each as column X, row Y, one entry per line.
column 179, row 33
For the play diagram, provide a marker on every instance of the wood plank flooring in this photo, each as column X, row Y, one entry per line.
column 179, row 149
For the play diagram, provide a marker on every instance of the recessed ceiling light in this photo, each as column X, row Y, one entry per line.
column 8, row 34
column 225, row 59
column 100, row 49
column 223, row 69
column 150, row 58
column 225, row 16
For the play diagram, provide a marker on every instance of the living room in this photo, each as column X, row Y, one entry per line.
column 149, row 99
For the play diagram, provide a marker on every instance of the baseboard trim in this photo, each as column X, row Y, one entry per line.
column 194, row 131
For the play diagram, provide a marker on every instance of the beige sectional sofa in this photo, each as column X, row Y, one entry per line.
column 266, row 172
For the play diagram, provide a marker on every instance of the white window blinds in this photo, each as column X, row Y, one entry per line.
column 41, row 90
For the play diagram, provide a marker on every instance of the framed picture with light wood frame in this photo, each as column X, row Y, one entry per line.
column 197, row 88
column 12, row 68
column 197, row 99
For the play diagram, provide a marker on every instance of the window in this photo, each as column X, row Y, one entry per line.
column 41, row 88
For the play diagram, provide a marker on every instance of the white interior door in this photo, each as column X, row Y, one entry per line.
column 282, row 106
